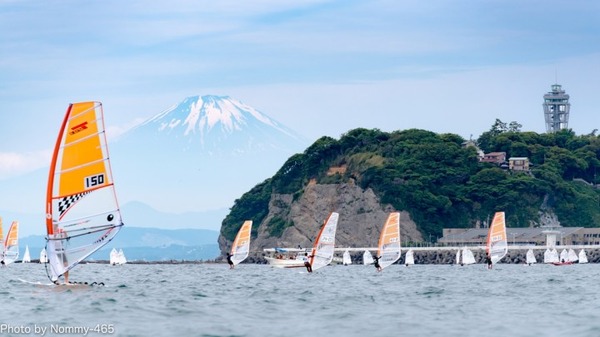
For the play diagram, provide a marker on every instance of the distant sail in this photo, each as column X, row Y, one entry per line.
column 82, row 212
column 113, row 257
column 572, row 255
column 26, row 256
column 11, row 244
column 346, row 258
column 241, row 245
column 367, row 258
column 409, row 257
column 564, row 256
column 530, row 257
column 43, row 256
column 457, row 259
column 323, row 249
column 467, row 256
column 389, row 241
column 497, row 245
column 582, row 257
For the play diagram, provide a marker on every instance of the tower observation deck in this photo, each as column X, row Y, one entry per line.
column 556, row 109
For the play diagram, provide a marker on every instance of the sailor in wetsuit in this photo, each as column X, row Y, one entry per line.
column 376, row 262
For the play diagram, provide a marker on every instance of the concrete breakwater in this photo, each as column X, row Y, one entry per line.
column 449, row 256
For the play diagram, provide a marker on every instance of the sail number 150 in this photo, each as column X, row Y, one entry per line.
column 94, row 180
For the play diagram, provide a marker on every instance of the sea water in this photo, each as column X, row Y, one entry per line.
column 258, row 300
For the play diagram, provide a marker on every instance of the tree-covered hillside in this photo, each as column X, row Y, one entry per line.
column 440, row 181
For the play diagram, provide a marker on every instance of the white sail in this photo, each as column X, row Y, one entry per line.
column 572, row 256
column 323, row 250
column 389, row 249
column 553, row 256
column 564, row 256
column 457, row 260
column 367, row 258
column 121, row 257
column 467, row 256
column 582, row 257
column 530, row 257
column 409, row 257
column 43, row 256
column 346, row 258
column 82, row 212
column 114, row 257
column 26, row 256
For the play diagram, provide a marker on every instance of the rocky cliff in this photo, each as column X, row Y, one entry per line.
column 361, row 218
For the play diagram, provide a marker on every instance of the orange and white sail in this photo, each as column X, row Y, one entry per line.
column 11, row 244
column 323, row 249
column 389, row 249
column 241, row 245
column 497, row 245
column 82, row 212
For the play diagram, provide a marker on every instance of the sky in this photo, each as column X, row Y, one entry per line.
column 320, row 67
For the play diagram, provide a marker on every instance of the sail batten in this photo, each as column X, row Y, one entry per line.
column 81, row 204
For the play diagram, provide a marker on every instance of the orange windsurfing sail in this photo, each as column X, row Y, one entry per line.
column 11, row 244
column 389, row 249
column 241, row 245
column 82, row 212
column 497, row 245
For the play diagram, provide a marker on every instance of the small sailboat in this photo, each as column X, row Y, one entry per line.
column 457, row 260
column 43, row 256
column 367, row 258
column 346, row 258
column 11, row 244
column 467, row 256
column 240, row 249
column 497, row 245
column 82, row 212
column 530, row 257
column 323, row 249
column 389, row 249
column 409, row 258
column 582, row 257
column 113, row 257
column 26, row 255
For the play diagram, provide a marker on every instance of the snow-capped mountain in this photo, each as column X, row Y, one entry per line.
column 201, row 154
column 217, row 125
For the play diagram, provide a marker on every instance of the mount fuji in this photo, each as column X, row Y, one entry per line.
column 200, row 154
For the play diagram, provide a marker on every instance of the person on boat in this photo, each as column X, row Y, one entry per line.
column 306, row 260
column 376, row 262
column 488, row 260
column 231, row 265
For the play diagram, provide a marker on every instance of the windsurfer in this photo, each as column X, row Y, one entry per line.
column 376, row 262
column 231, row 265
column 307, row 262
column 488, row 260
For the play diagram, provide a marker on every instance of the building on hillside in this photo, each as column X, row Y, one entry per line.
column 518, row 164
column 494, row 157
column 472, row 143
column 523, row 236
column 556, row 109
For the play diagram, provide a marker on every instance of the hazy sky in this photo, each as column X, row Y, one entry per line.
column 319, row 67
